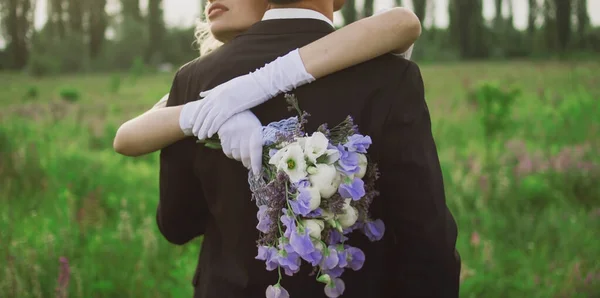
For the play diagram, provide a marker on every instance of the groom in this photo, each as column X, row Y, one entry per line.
column 204, row 192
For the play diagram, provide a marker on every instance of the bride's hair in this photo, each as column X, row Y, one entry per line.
column 204, row 38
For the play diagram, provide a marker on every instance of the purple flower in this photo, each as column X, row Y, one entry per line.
column 374, row 230
column 304, row 183
column 335, row 237
column 355, row 190
column 334, row 272
column 355, row 257
column 288, row 222
column 289, row 261
column 276, row 291
column 335, row 288
column 269, row 255
column 355, row 226
column 314, row 258
column 358, row 143
column 264, row 222
column 343, row 256
column 348, row 162
column 301, row 243
column 284, row 244
column 330, row 258
column 315, row 213
column 301, row 205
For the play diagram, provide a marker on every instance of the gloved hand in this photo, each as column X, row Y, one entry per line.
column 247, row 91
column 188, row 115
column 241, row 139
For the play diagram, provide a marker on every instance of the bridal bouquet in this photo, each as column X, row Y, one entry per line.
column 313, row 192
column 315, row 189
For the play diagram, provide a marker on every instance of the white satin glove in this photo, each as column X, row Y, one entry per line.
column 187, row 117
column 241, row 139
column 247, row 91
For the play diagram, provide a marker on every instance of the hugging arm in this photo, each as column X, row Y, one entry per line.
column 182, row 210
column 421, row 260
column 149, row 132
column 394, row 30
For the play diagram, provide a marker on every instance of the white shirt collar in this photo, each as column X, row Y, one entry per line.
column 295, row 13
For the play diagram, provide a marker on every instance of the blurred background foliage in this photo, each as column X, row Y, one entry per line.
column 515, row 114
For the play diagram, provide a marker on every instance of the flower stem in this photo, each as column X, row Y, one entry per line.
column 279, row 272
column 287, row 202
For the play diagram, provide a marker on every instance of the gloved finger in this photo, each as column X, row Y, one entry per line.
column 217, row 123
column 245, row 151
column 208, row 115
column 256, row 151
column 235, row 153
column 199, row 118
column 226, row 147
column 205, row 93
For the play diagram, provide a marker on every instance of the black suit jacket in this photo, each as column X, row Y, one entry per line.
column 204, row 192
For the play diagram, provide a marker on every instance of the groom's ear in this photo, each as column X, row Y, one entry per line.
column 338, row 4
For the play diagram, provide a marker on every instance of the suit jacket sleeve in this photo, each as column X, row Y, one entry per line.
column 182, row 209
column 412, row 196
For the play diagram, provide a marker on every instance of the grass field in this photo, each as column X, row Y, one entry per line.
column 78, row 220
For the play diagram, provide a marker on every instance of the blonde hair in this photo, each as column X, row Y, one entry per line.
column 204, row 38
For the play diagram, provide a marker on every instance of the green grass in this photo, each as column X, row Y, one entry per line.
column 65, row 193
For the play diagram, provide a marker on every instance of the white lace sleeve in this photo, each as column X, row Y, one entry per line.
column 406, row 55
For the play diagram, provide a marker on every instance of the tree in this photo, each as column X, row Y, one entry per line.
column 563, row 23
column 498, row 15
column 533, row 10
column 131, row 9
column 368, row 8
column 97, row 26
column 18, row 21
column 156, row 28
column 468, row 19
column 349, row 12
column 56, row 19
column 420, row 7
column 583, row 21
column 76, row 16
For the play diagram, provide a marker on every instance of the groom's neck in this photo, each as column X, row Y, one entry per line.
column 321, row 6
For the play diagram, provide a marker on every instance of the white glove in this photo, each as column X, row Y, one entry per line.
column 247, row 91
column 188, row 115
column 241, row 139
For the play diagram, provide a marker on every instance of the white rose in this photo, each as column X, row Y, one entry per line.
column 301, row 142
column 318, row 245
column 315, row 146
column 349, row 217
column 327, row 216
column 333, row 155
column 326, row 179
column 290, row 159
column 362, row 164
column 314, row 226
column 315, row 198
